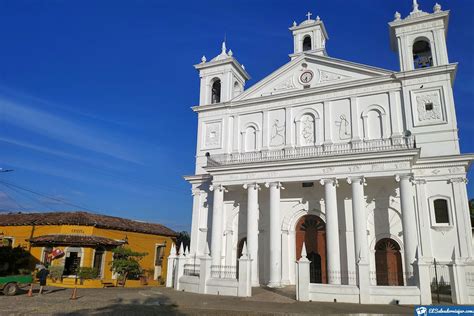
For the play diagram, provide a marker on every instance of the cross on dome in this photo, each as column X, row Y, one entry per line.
column 309, row 14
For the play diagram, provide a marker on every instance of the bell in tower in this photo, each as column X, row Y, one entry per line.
column 420, row 38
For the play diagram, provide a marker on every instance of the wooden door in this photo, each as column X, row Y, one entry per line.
column 388, row 263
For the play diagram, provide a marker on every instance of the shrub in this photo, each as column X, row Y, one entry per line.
column 86, row 273
column 126, row 263
column 56, row 272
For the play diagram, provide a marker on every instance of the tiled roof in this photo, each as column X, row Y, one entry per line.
column 74, row 240
column 84, row 219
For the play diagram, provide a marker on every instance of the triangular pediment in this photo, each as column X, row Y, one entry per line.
column 309, row 71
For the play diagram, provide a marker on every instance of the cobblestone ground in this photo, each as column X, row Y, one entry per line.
column 163, row 301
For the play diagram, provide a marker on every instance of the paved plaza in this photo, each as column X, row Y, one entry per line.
column 160, row 301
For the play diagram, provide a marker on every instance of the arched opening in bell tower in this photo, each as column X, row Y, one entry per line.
column 216, row 91
column 422, row 57
column 307, row 43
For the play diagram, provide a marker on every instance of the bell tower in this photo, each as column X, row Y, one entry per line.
column 420, row 38
column 309, row 36
column 222, row 78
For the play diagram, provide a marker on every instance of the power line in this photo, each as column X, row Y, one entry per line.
column 14, row 200
column 47, row 196
column 24, row 194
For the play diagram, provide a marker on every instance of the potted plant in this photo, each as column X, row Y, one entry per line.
column 87, row 273
column 56, row 273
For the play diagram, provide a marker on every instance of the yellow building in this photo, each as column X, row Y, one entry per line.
column 87, row 240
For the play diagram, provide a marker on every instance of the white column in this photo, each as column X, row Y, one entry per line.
column 424, row 220
column 410, row 238
column 461, row 216
column 217, row 209
column 252, row 229
column 195, row 221
column 359, row 216
column 332, row 231
column 275, row 235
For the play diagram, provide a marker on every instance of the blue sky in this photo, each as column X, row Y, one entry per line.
column 95, row 96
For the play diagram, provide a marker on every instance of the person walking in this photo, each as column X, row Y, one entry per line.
column 42, row 274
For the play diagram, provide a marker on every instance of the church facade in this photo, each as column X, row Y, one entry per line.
column 355, row 168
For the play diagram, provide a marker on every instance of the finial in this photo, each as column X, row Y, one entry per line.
column 186, row 252
column 181, row 250
column 203, row 59
column 437, row 8
column 318, row 18
column 230, row 52
column 397, row 16
column 294, row 23
column 224, row 49
column 173, row 250
column 244, row 250
column 243, row 67
column 415, row 6
column 304, row 254
column 309, row 14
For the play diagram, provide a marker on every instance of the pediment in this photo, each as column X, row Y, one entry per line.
column 323, row 71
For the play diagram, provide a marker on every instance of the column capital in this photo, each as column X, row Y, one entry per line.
column 254, row 186
column 331, row 181
column 458, row 180
column 217, row 187
column 196, row 192
column 359, row 179
column 276, row 184
column 406, row 176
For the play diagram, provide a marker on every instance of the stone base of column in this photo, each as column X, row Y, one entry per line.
column 363, row 282
column 274, row 285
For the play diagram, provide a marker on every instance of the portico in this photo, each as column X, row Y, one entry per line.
column 335, row 176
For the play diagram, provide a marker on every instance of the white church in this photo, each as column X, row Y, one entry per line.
column 343, row 179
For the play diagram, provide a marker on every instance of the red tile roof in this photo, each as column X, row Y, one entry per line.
column 74, row 240
column 84, row 219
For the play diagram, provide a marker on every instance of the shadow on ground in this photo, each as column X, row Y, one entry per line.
column 147, row 306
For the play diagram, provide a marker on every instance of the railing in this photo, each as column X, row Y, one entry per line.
column 375, row 145
column 191, row 269
column 387, row 278
column 336, row 277
column 224, row 272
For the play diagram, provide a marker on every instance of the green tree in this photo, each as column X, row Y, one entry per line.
column 184, row 238
column 14, row 260
column 126, row 263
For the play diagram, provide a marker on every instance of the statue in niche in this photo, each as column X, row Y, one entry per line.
column 344, row 128
column 307, row 130
column 278, row 134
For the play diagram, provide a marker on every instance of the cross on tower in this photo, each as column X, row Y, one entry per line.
column 309, row 14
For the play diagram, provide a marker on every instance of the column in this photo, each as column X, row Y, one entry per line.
column 332, row 231
column 410, row 237
column 359, row 215
column 461, row 217
column 217, row 209
column 424, row 220
column 252, row 229
column 275, row 235
column 195, row 221
column 360, row 218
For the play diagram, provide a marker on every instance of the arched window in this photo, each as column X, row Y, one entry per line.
column 374, row 124
column 422, row 57
column 216, row 91
column 441, row 211
column 307, row 43
column 237, row 89
column 307, row 130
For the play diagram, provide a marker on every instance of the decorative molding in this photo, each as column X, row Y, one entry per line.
column 458, row 180
column 359, row 179
column 326, row 76
column 212, row 135
column 285, row 85
column 330, row 181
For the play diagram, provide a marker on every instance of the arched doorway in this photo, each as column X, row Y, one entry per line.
column 311, row 230
column 388, row 263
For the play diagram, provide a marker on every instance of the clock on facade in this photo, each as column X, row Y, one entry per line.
column 306, row 76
